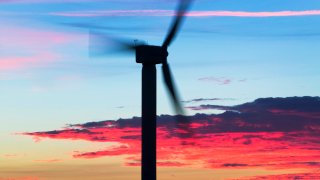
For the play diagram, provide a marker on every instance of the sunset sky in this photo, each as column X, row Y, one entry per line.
column 247, row 71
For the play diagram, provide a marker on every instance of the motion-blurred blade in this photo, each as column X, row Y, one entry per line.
column 102, row 44
column 168, row 80
column 182, row 121
column 176, row 25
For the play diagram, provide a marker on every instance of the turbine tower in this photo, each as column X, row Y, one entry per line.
column 149, row 56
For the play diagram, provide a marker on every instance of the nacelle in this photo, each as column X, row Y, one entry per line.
column 147, row 54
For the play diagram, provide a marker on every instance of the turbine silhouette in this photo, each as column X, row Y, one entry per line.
column 149, row 56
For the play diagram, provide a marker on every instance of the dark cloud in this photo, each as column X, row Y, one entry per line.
column 266, row 115
column 311, row 163
column 206, row 99
column 301, row 104
column 283, row 176
column 262, row 115
column 233, row 165
column 209, row 106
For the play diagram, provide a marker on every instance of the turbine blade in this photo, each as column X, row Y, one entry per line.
column 176, row 24
column 168, row 80
column 102, row 44
column 182, row 121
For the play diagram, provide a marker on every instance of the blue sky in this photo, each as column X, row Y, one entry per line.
column 260, row 56
column 233, row 51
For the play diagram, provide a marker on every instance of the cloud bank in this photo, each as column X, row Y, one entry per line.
column 269, row 133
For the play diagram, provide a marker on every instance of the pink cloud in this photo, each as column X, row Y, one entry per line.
column 155, row 12
column 218, row 140
column 254, row 137
column 32, row 39
column 27, row 48
column 33, row 61
column 254, row 14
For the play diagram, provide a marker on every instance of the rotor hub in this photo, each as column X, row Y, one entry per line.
column 147, row 54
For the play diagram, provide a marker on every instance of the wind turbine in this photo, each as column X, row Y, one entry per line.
column 149, row 56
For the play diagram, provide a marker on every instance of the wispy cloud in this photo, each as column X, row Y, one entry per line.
column 283, row 176
column 119, row 107
column 218, row 80
column 221, row 80
column 254, row 14
column 265, row 138
column 10, row 155
column 23, row 178
column 209, row 106
column 27, row 47
column 206, row 99
column 48, row 160
column 147, row 12
column 14, row 36
column 18, row 63
column 159, row 12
